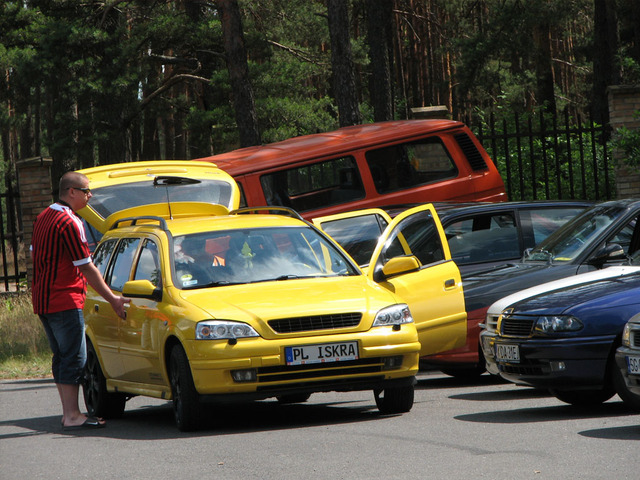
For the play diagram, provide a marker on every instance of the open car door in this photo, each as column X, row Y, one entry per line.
column 413, row 260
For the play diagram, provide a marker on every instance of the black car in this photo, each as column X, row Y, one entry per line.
column 480, row 234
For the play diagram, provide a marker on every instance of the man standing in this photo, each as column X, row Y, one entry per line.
column 62, row 267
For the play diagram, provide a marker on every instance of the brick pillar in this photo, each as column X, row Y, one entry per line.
column 34, row 185
column 623, row 102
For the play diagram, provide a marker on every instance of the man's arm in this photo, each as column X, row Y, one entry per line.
column 93, row 276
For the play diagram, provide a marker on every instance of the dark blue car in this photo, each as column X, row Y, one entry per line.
column 564, row 338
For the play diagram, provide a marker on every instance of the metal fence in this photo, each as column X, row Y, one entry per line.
column 549, row 156
column 13, row 257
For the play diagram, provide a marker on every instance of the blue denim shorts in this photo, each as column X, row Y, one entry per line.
column 65, row 331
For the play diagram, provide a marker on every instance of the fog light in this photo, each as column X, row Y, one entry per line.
column 557, row 366
column 393, row 363
column 240, row 376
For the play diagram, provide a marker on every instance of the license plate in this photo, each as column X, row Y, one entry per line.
column 633, row 364
column 507, row 353
column 321, row 353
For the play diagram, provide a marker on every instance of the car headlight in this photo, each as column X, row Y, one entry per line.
column 558, row 324
column 223, row 329
column 393, row 315
column 626, row 335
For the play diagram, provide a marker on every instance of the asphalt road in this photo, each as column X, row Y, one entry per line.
column 487, row 429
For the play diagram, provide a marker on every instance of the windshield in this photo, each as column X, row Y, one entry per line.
column 576, row 236
column 229, row 257
column 114, row 198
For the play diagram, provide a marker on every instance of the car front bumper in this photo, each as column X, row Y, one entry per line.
column 213, row 363
column 551, row 363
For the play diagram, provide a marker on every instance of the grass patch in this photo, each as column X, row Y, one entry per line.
column 24, row 349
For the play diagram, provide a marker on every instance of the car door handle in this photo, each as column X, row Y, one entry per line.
column 451, row 283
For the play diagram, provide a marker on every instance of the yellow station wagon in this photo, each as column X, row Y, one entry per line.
column 239, row 305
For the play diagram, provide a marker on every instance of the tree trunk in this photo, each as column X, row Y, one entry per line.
column 236, row 56
column 606, row 69
column 543, row 66
column 343, row 76
column 378, row 30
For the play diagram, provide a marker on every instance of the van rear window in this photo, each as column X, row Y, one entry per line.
column 408, row 165
column 316, row 185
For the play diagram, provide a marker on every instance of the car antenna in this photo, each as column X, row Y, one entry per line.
column 161, row 181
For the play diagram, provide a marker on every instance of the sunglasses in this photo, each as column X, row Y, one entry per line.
column 86, row 191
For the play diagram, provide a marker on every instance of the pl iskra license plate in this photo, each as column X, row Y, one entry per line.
column 633, row 364
column 507, row 353
column 321, row 353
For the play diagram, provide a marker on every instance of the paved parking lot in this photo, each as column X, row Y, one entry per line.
column 487, row 429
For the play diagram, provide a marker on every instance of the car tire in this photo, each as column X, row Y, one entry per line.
column 293, row 398
column 394, row 399
column 186, row 401
column 468, row 373
column 584, row 398
column 99, row 402
column 629, row 398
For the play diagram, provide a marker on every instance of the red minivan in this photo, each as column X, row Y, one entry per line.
column 370, row 165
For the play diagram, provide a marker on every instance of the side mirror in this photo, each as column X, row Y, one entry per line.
column 142, row 289
column 397, row 266
column 611, row 251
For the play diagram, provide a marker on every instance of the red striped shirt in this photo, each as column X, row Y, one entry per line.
column 59, row 246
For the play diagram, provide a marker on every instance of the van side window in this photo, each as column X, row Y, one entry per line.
column 315, row 185
column 408, row 165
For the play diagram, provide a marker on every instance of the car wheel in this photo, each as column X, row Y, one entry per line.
column 394, row 400
column 629, row 398
column 584, row 398
column 186, row 401
column 99, row 402
column 293, row 398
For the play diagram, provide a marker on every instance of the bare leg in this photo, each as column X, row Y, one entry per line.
column 61, row 400
column 70, row 409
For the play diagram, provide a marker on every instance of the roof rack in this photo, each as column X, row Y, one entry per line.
column 162, row 223
column 277, row 210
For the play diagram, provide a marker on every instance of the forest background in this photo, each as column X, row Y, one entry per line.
column 98, row 82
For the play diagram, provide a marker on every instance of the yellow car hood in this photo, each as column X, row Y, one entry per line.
column 257, row 303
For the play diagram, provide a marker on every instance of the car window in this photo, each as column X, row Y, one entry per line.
column 255, row 255
column 416, row 235
column 122, row 263
column 148, row 267
column 102, row 254
column 575, row 236
column 113, row 198
column 315, row 185
column 410, row 164
column 483, row 238
column 545, row 221
column 357, row 235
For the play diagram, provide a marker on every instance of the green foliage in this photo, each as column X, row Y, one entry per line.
column 627, row 142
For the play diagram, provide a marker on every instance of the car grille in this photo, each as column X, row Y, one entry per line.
column 281, row 373
column 315, row 322
column 635, row 338
column 517, row 326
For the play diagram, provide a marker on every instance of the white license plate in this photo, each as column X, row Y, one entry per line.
column 633, row 364
column 507, row 353
column 321, row 353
